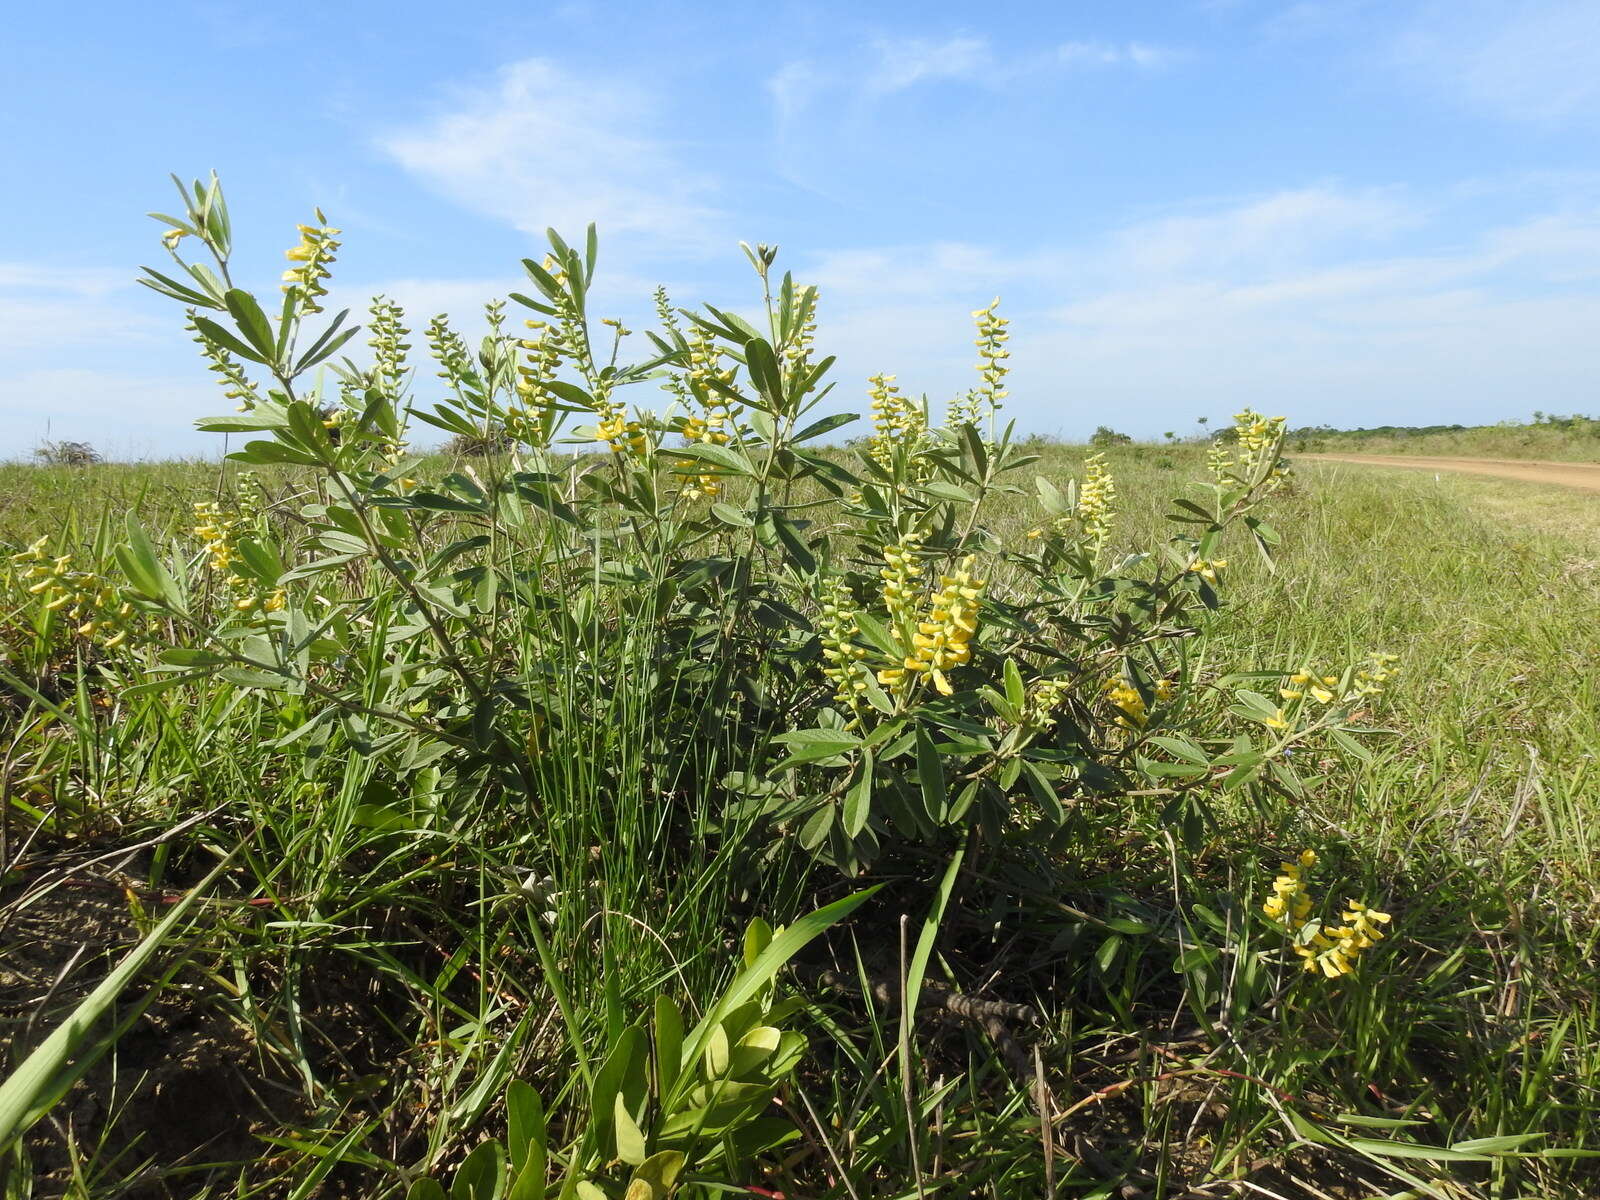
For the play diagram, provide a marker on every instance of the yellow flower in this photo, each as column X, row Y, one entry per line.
column 1277, row 720
column 1126, row 698
column 1097, row 500
column 896, row 420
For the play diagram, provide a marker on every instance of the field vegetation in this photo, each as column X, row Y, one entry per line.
column 657, row 797
column 1574, row 438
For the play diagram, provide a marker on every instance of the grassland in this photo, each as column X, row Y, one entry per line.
column 1549, row 439
column 361, row 999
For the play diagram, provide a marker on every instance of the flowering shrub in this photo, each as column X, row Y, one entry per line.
column 891, row 669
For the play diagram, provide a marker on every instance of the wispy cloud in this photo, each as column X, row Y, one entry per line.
column 46, row 308
column 902, row 63
column 1142, row 55
column 889, row 65
column 544, row 147
column 1536, row 61
column 1300, row 302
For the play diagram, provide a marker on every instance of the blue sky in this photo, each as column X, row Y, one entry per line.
column 1346, row 211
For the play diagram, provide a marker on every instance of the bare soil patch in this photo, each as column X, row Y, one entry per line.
column 1584, row 476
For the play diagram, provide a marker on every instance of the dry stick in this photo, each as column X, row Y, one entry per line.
column 992, row 1016
column 822, row 1137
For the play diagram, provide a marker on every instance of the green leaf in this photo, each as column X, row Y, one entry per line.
column 1182, row 748
column 814, row 745
column 33, row 1087
column 858, row 800
column 656, row 1177
column 137, row 557
column 1379, row 1149
column 631, row 1147
column 273, row 452
column 930, row 776
column 1016, row 695
column 253, row 323
column 816, row 827
column 259, row 418
column 799, row 552
column 753, row 978
column 669, row 1044
column 483, row 1175
column 825, row 425
column 925, row 939
column 948, row 491
column 719, row 456
column 875, row 632
column 220, row 337
column 764, row 372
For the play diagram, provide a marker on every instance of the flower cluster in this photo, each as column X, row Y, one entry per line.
column 214, row 528
column 1368, row 680
column 1255, row 441
column 620, row 433
column 1097, row 500
column 841, row 657
column 215, row 531
column 449, row 350
column 944, row 635
column 896, row 420
column 1332, row 949
column 992, row 353
column 900, row 573
column 708, row 429
column 1130, row 703
column 1207, row 568
column 313, row 259
column 388, row 343
column 1044, row 696
column 94, row 607
column 797, row 350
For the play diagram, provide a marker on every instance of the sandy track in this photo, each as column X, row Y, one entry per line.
column 1585, row 476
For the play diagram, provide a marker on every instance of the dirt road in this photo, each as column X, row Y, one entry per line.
column 1585, row 476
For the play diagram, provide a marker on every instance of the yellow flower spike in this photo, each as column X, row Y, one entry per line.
column 1277, row 720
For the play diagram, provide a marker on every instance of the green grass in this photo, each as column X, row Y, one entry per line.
column 1554, row 439
column 374, row 980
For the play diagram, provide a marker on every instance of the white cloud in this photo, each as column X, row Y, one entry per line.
column 910, row 61
column 47, row 309
column 1273, row 229
column 1173, row 317
column 1142, row 55
column 72, row 281
column 1536, row 61
column 544, row 147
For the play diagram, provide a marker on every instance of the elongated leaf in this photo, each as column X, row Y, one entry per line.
column 753, row 978
column 21, row 1091
column 930, row 776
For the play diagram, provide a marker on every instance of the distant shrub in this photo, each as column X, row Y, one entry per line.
column 1105, row 436
column 67, row 454
column 479, row 445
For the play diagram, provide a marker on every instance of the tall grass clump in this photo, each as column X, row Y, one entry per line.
column 662, row 802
